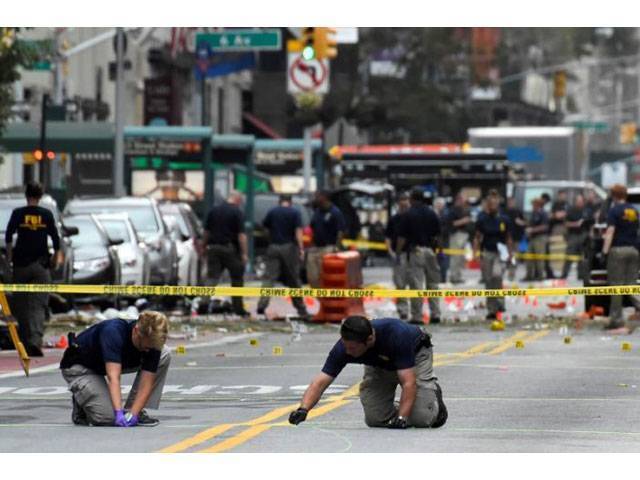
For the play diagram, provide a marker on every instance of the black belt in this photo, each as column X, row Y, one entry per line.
column 423, row 341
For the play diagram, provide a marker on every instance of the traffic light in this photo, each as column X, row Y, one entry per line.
column 308, row 46
column 560, row 84
column 40, row 155
column 325, row 43
column 628, row 132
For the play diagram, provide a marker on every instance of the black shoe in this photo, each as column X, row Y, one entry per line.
column 491, row 317
column 443, row 414
column 33, row 351
column 144, row 420
column 614, row 325
column 78, row 415
column 434, row 320
column 305, row 317
column 261, row 311
column 416, row 322
column 243, row 314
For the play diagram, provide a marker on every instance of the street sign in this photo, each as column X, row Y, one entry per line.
column 587, row 125
column 40, row 65
column 241, row 40
column 307, row 76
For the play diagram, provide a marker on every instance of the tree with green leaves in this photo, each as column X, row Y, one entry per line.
column 13, row 54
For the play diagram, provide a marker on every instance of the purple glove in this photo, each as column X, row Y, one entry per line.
column 120, row 420
column 132, row 420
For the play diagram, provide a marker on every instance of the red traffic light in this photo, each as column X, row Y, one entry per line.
column 51, row 155
column 38, row 155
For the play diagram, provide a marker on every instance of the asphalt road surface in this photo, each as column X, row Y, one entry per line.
column 234, row 393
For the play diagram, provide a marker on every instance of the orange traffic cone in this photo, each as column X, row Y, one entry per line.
column 63, row 342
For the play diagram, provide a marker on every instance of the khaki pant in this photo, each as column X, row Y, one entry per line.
column 283, row 262
column 423, row 266
column 622, row 269
column 401, row 281
column 535, row 268
column 31, row 309
column 91, row 391
column 457, row 241
column 378, row 390
column 314, row 263
column 492, row 273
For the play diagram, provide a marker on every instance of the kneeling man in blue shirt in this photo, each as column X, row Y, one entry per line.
column 393, row 353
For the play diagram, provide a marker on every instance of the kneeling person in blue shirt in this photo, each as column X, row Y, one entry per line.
column 111, row 348
column 393, row 353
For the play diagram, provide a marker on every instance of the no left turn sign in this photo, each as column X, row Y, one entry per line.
column 307, row 76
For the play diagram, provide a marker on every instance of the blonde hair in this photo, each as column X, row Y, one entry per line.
column 154, row 327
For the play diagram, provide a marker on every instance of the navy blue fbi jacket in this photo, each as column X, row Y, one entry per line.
column 395, row 348
column 33, row 224
column 109, row 341
column 624, row 217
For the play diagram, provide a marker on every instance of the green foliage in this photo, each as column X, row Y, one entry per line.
column 13, row 54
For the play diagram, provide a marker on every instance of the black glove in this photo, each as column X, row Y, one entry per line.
column 398, row 423
column 601, row 257
column 299, row 416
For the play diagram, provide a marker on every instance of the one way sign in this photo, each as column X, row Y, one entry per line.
column 307, row 76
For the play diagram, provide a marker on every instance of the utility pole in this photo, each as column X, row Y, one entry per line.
column 45, row 162
column 118, row 161
column 306, row 160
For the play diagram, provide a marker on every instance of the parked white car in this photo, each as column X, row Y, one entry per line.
column 185, row 229
column 134, row 257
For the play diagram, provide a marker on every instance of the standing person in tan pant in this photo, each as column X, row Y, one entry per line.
column 460, row 221
column 621, row 248
column 537, row 234
column 328, row 227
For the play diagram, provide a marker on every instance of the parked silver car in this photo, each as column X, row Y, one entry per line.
column 145, row 216
column 186, row 230
column 134, row 258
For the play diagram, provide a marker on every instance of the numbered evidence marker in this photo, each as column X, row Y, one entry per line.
column 277, row 350
column 519, row 344
column 254, row 342
column 626, row 347
column 567, row 340
column 181, row 350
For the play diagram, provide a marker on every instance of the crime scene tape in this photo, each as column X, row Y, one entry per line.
column 138, row 290
column 366, row 245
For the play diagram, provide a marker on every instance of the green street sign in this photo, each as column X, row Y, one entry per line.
column 40, row 65
column 241, row 40
column 594, row 126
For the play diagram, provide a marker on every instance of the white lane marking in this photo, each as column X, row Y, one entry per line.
column 260, row 389
column 20, row 373
column 197, row 390
column 182, row 390
column 213, row 343
column 41, row 391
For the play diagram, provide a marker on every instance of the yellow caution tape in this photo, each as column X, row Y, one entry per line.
column 366, row 245
column 143, row 290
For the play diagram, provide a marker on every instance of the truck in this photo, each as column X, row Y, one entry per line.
column 551, row 153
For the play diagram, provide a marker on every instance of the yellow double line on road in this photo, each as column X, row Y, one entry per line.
column 263, row 423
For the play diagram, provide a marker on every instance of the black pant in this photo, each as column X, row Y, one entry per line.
column 31, row 309
column 226, row 257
